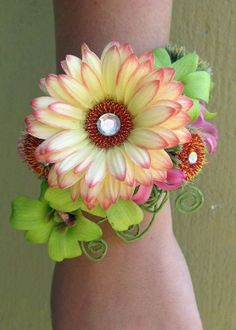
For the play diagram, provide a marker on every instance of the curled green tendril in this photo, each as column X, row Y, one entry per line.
column 94, row 250
column 190, row 200
column 156, row 201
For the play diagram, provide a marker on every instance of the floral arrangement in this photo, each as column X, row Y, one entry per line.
column 110, row 139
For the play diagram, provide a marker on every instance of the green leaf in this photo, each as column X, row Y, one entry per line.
column 97, row 210
column 185, row 65
column 41, row 234
column 194, row 111
column 28, row 213
column 209, row 115
column 62, row 244
column 161, row 58
column 197, row 85
column 43, row 188
column 124, row 214
column 60, row 200
column 86, row 230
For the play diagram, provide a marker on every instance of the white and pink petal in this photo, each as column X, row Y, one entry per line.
column 146, row 138
column 154, row 116
column 139, row 156
column 116, row 163
column 97, row 169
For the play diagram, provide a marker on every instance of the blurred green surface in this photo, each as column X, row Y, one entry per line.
column 208, row 238
column 27, row 52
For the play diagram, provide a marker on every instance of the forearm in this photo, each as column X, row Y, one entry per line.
column 144, row 285
column 144, row 24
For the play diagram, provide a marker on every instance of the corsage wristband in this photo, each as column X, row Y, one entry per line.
column 111, row 138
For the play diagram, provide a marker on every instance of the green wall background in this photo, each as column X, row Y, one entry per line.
column 208, row 238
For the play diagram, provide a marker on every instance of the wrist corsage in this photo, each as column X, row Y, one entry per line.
column 109, row 140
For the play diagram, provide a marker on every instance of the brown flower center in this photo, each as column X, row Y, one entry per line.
column 26, row 148
column 67, row 218
column 108, row 124
column 192, row 157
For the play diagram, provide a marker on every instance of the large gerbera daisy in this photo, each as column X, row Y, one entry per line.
column 107, row 122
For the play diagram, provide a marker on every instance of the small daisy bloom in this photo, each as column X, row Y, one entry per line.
column 106, row 124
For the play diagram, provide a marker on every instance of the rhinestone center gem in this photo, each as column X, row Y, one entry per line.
column 108, row 124
column 192, row 158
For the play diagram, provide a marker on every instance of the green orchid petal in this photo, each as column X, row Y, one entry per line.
column 28, row 213
column 41, row 234
column 185, row 65
column 62, row 244
column 161, row 58
column 194, row 111
column 60, row 200
column 124, row 214
column 43, row 188
column 209, row 115
column 97, row 210
column 86, row 230
column 197, row 85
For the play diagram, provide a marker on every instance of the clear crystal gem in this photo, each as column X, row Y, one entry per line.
column 108, row 124
column 192, row 158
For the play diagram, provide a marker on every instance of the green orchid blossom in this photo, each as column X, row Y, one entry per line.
column 121, row 215
column 190, row 70
column 55, row 219
column 60, row 223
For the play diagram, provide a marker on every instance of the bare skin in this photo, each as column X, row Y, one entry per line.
column 143, row 285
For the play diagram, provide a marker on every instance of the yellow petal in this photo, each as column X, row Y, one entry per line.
column 54, row 119
column 77, row 91
column 154, row 116
column 74, row 66
column 107, row 48
column 52, row 177
column 129, row 179
column 97, row 170
column 138, row 155
column 110, row 68
column 42, row 131
column 160, row 160
column 126, row 192
column 141, row 71
column 147, row 56
column 147, row 139
column 91, row 59
column 183, row 135
column 179, row 120
column 75, row 191
column 116, row 163
column 64, row 139
column 56, row 156
column 92, row 82
column 143, row 97
column 56, row 90
column 169, row 91
column 42, row 102
column 82, row 152
column 42, row 85
column 111, row 189
column 87, row 161
column 65, row 67
column 68, row 110
column 143, row 176
column 167, row 134
column 125, row 51
column 125, row 72
column 185, row 102
column 68, row 179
